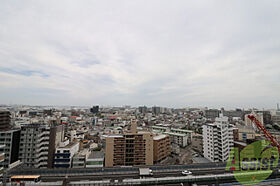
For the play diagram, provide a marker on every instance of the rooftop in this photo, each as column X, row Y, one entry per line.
column 158, row 137
column 175, row 134
column 181, row 130
column 96, row 154
column 69, row 145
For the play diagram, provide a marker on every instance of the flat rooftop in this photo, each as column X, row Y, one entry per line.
column 69, row 145
column 175, row 134
column 158, row 137
column 96, row 154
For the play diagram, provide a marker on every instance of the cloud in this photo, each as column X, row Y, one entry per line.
column 197, row 53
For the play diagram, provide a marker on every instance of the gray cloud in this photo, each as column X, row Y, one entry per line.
column 178, row 53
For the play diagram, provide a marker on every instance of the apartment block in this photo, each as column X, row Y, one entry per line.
column 162, row 147
column 95, row 159
column 132, row 148
column 79, row 159
column 179, row 137
column 64, row 154
column 37, row 145
column 2, row 159
column 243, row 133
column 5, row 120
column 217, row 140
column 10, row 139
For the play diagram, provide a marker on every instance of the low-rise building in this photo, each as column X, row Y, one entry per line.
column 95, row 159
column 79, row 159
column 64, row 155
column 177, row 138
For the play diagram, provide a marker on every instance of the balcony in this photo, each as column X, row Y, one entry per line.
column 2, row 157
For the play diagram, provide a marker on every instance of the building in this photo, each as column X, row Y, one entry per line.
column 212, row 113
column 248, row 122
column 188, row 133
column 128, row 149
column 177, row 138
column 10, row 139
column 156, row 110
column 162, row 147
column 65, row 153
column 180, row 137
column 2, row 159
column 5, row 120
column 37, row 145
column 243, row 133
column 143, row 109
column 94, row 109
column 217, row 140
column 79, row 159
column 95, row 159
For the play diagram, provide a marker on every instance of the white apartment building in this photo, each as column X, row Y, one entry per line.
column 217, row 140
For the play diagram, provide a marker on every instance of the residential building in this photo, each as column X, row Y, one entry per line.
column 243, row 133
column 156, row 110
column 177, row 138
column 37, row 145
column 128, row 149
column 9, row 138
column 95, row 159
column 248, row 122
column 64, row 154
column 217, row 140
column 79, row 159
column 212, row 113
column 162, row 147
column 2, row 159
column 143, row 109
column 5, row 120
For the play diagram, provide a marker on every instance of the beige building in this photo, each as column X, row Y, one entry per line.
column 132, row 148
column 242, row 133
column 162, row 147
column 248, row 122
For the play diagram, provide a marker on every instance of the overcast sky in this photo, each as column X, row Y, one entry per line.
column 140, row 52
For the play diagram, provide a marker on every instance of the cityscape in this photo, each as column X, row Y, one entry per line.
column 125, row 145
column 139, row 92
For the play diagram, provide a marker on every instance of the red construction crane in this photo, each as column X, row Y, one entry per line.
column 267, row 135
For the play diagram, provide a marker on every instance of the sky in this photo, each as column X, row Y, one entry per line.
column 176, row 53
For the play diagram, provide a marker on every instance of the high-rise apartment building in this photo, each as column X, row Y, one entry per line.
column 10, row 139
column 5, row 120
column 217, row 140
column 143, row 109
column 2, row 159
column 133, row 148
column 156, row 110
column 37, row 145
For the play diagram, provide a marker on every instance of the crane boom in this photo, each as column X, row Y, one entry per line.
column 267, row 135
